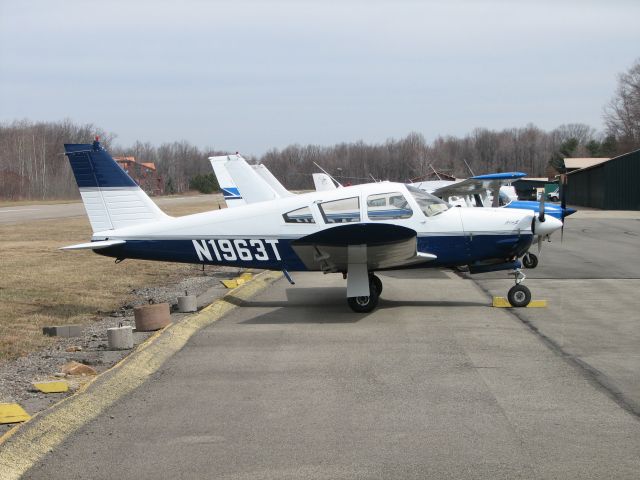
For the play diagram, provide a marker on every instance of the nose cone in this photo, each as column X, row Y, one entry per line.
column 550, row 225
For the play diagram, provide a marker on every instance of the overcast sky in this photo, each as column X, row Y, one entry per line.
column 251, row 75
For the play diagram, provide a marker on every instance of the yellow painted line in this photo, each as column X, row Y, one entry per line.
column 23, row 448
column 230, row 283
column 12, row 413
column 501, row 302
column 52, row 387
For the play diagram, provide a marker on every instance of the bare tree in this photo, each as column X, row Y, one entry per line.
column 622, row 114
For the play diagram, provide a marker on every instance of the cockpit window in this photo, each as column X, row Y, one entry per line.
column 388, row 206
column 429, row 204
column 503, row 199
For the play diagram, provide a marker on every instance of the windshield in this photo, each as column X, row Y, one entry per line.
column 429, row 204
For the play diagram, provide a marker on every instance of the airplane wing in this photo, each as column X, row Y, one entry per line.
column 379, row 246
column 479, row 185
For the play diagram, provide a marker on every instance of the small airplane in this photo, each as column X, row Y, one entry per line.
column 493, row 190
column 334, row 231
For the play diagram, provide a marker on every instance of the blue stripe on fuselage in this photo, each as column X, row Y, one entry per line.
column 272, row 254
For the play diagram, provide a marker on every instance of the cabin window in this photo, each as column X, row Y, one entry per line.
column 344, row 210
column 301, row 215
column 388, row 206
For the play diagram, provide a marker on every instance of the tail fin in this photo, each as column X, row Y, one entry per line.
column 230, row 191
column 111, row 198
column 246, row 184
column 323, row 182
column 273, row 182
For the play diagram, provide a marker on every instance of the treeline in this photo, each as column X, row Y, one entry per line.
column 32, row 164
column 528, row 149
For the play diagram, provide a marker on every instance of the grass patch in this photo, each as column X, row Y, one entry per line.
column 41, row 285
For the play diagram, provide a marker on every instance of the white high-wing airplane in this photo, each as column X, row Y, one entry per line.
column 341, row 231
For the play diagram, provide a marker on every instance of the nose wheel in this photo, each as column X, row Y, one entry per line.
column 530, row 260
column 519, row 295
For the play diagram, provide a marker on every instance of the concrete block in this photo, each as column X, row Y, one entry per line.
column 188, row 303
column 74, row 331
column 120, row 338
column 64, row 331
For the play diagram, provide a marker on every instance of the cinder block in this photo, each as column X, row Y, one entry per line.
column 74, row 331
column 65, row 331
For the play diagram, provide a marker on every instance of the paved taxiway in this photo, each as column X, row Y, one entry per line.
column 433, row 384
column 31, row 213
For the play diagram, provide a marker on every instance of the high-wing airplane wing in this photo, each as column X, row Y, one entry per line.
column 479, row 185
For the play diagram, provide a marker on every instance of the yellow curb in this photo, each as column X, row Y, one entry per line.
column 50, row 428
column 501, row 302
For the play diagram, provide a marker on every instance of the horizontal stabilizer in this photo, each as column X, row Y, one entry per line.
column 94, row 245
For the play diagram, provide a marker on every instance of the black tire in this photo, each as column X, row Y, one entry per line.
column 376, row 282
column 519, row 296
column 530, row 260
column 364, row 304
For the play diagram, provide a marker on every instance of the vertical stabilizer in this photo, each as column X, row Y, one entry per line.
column 323, row 182
column 273, row 182
column 230, row 192
column 110, row 196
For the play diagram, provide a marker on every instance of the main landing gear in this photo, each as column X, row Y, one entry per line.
column 519, row 295
column 367, row 304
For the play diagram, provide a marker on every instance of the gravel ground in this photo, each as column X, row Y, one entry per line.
column 16, row 377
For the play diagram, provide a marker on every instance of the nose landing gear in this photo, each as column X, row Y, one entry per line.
column 530, row 260
column 519, row 295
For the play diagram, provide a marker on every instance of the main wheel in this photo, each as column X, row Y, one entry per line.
column 519, row 296
column 365, row 304
column 375, row 280
column 530, row 260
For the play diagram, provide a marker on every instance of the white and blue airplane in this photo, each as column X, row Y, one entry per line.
column 333, row 231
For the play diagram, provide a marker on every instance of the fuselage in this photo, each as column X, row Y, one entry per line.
column 260, row 235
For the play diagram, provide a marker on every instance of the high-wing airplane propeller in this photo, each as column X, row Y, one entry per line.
column 354, row 231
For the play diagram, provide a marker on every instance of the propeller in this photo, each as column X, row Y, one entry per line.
column 541, row 209
column 541, row 219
